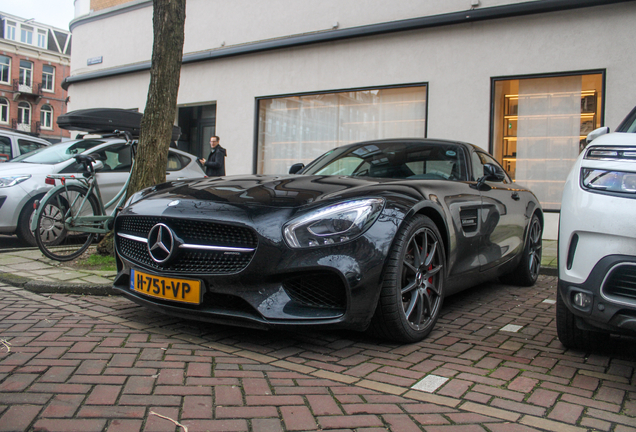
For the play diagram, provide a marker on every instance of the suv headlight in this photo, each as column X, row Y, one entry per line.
column 600, row 180
column 333, row 224
column 13, row 180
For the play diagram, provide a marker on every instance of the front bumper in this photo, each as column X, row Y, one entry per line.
column 332, row 287
column 12, row 200
column 607, row 298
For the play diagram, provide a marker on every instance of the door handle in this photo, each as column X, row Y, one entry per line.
column 515, row 196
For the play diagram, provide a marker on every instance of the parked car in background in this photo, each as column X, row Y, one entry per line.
column 597, row 241
column 14, row 144
column 369, row 234
column 23, row 180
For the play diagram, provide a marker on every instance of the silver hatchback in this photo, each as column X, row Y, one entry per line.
column 24, row 179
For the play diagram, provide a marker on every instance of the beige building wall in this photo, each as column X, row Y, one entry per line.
column 457, row 62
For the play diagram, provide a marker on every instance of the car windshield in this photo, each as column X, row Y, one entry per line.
column 58, row 152
column 629, row 124
column 403, row 160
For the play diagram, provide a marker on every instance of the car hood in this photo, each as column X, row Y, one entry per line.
column 289, row 191
column 15, row 168
column 615, row 139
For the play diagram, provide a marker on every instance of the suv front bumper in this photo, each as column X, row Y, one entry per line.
column 606, row 300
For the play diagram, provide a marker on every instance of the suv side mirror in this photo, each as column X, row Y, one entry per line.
column 296, row 168
column 596, row 133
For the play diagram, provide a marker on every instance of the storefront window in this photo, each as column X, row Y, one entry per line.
column 540, row 125
column 300, row 128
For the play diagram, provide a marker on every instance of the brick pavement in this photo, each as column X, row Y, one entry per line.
column 91, row 363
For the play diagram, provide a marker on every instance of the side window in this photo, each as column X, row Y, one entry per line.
column 174, row 162
column 26, row 146
column 115, row 158
column 5, row 148
column 478, row 166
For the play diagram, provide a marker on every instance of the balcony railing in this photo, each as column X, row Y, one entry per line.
column 27, row 89
column 34, row 127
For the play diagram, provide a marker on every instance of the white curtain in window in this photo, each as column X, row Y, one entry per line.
column 548, row 135
column 301, row 128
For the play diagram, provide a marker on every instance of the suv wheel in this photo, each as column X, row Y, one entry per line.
column 570, row 335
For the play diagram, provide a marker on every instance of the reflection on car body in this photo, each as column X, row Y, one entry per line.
column 373, row 234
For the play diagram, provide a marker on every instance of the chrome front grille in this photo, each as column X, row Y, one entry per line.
column 133, row 246
column 191, row 231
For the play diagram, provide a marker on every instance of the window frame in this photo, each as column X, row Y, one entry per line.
column 5, row 67
column 46, row 110
column 259, row 99
column 4, row 111
column 42, row 35
column 26, row 34
column 26, row 72
column 494, row 80
column 22, row 108
column 48, row 75
column 10, row 28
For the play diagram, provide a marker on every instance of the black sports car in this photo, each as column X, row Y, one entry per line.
column 373, row 234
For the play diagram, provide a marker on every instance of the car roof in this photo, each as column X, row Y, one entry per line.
column 26, row 135
column 427, row 141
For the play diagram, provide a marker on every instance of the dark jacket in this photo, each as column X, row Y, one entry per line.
column 215, row 164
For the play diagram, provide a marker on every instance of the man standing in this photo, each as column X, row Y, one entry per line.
column 215, row 165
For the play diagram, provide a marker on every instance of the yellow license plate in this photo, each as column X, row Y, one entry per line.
column 179, row 290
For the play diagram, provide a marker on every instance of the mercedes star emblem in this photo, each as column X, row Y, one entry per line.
column 161, row 243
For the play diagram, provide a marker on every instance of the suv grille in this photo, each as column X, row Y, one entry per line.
column 190, row 261
column 621, row 282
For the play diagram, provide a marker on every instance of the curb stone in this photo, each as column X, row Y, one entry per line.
column 56, row 287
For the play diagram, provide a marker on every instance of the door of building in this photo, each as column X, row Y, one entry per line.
column 198, row 124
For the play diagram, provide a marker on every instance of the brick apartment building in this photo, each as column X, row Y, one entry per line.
column 34, row 60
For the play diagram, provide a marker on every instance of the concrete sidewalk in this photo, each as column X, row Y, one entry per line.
column 29, row 269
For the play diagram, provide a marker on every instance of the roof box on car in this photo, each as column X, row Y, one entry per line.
column 106, row 120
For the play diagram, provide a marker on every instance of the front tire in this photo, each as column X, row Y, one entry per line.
column 412, row 291
column 23, row 230
column 570, row 335
column 527, row 272
column 51, row 235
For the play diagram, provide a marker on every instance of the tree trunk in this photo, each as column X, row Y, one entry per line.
column 161, row 105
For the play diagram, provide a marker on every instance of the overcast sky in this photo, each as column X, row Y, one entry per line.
column 57, row 13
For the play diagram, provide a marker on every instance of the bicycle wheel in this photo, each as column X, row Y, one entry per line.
column 51, row 235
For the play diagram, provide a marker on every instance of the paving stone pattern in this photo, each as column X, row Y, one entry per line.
column 88, row 363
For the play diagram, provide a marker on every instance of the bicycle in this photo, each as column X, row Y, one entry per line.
column 70, row 216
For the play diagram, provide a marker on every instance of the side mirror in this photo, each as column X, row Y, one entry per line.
column 98, row 165
column 492, row 172
column 596, row 133
column 296, row 168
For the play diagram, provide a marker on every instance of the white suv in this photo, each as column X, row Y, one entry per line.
column 14, row 144
column 597, row 241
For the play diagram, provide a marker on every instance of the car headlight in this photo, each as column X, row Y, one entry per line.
column 334, row 224
column 13, row 180
column 608, row 181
